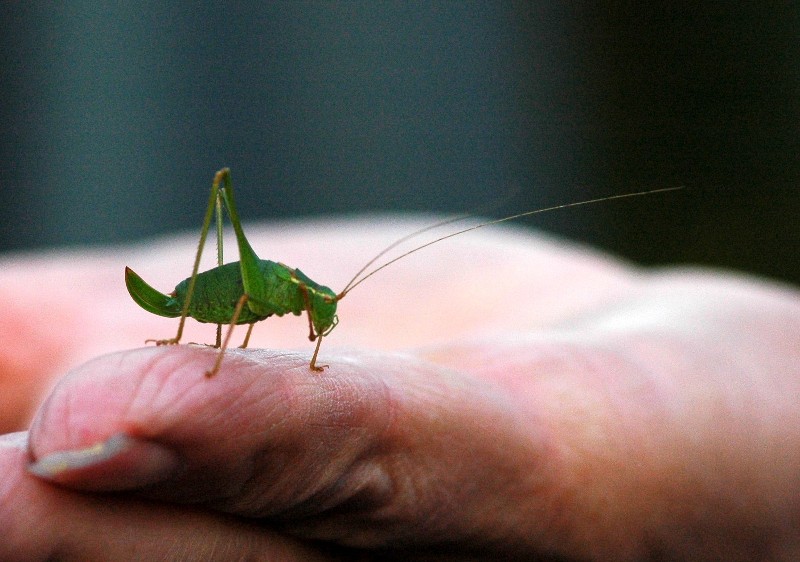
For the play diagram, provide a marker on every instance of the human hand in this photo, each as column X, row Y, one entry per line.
column 573, row 406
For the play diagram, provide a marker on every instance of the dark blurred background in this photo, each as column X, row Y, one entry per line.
column 114, row 118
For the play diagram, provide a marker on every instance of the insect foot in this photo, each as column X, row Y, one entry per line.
column 170, row 341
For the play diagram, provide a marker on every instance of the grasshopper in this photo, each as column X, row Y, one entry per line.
column 252, row 289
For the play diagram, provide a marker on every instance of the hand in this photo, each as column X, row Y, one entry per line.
column 555, row 402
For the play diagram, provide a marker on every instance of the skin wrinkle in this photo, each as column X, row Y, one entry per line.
column 274, row 404
column 43, row 420
column 290, row 410
column 139, row 403
column 407, row 446
column 280, row 375
column 344, row 484
column 72, row 426
column 426, row 490
column 539, row 478
column 378, row 486
column 230, row 406
column 333, row 494
column 237, row 499
column 283, row 397
column 367, row 452
column 339, row 511
column 346, row 526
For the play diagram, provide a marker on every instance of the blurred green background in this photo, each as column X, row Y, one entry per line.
column 115, row 116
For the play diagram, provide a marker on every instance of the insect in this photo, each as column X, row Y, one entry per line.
column 252, row 289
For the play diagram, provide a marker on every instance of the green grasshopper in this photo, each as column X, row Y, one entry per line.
column 252, row 289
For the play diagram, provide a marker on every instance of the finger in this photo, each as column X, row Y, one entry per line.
column 41, row 522
column 376, row 451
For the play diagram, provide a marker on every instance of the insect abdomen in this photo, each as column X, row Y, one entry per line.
column 216, row 293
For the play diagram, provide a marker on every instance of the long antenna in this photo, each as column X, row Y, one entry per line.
column 353, row 283
column 400, row 241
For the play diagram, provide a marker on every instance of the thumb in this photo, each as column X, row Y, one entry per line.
column 378, row 450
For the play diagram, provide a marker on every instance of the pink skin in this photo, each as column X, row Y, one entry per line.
column 497, row 396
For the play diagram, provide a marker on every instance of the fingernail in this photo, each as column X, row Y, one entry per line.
column 119, row 463
column 18, row 440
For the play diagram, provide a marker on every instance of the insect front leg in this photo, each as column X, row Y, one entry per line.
column 311, row 334
column 313, row 365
